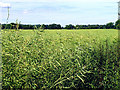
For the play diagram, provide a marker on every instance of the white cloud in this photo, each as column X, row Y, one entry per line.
column 25, row 11
column 76, row 0
column 61, row 1
column 4, row 4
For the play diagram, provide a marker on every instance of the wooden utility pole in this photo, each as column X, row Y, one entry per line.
column 119, row 10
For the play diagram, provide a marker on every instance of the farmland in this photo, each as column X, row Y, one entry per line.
column 59, row 59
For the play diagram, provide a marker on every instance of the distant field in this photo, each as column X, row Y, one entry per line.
column 59, row 59
column 90, row 33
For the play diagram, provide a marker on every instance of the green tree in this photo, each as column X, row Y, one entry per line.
column 109, row 25
column 70, row 26
column 54, row 26
column 117, row 24
column 42, row 26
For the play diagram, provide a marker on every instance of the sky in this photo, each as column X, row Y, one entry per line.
column 59, row 11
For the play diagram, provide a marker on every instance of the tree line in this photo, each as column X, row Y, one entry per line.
column 109, row 25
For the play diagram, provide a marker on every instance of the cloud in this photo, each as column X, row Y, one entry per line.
column 4, row 5
column 61, row 1
column 25, row 11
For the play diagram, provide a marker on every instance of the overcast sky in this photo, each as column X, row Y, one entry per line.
column 60, row 11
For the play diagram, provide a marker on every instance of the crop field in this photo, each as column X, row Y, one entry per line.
column 60, row 59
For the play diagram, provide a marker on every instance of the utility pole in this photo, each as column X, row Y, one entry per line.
column 119, row 10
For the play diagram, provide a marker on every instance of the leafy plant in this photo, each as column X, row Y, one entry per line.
column 60, row 59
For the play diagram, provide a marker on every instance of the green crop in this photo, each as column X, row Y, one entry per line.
column 60, row 59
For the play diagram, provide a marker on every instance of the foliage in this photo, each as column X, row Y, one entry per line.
column 70, row 26
column 54, row 26
column 60, row 59
column 42, row 26
column 117, row 24
column 109, row 25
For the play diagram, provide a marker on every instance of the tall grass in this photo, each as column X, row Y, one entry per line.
column 55, row 60
column 0, row 57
